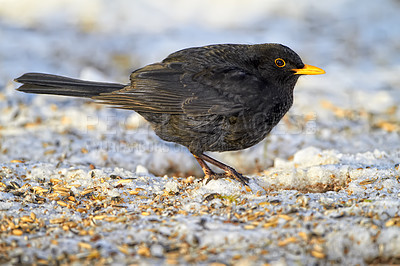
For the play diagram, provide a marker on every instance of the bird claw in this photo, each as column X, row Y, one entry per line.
column 214, row 176
column 210, row 174
column 230, row 173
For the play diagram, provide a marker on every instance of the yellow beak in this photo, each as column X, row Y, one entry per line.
column 309, row 70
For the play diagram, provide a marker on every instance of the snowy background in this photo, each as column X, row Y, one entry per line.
column 82, row 182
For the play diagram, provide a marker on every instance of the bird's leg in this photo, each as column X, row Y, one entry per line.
column 208, row 173
column 206, row 169
column 229, row 171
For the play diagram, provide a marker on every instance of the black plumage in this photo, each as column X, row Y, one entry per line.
column 214, row 98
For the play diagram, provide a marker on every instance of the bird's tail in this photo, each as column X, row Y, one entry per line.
column 52, row 84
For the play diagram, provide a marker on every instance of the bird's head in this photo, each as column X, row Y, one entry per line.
column 278, row 64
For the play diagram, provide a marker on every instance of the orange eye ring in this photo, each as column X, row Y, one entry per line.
column 279, row 62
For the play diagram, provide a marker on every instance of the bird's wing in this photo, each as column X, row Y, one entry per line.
column 173, row 88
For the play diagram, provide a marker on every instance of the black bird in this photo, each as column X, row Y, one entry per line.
column 222, row 97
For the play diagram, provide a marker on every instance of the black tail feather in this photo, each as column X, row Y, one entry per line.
column 52, row 84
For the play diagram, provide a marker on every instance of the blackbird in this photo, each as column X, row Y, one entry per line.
column 222, row 97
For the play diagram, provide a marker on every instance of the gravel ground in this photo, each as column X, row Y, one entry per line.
column 85, row 184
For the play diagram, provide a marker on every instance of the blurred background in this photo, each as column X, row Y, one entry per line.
column 353, row 108
column 116, row 37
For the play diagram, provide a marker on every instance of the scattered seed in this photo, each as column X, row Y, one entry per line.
column 237, row 257
column 124, row 250
column 14, row 185
column 84, row 245
column 17, row 232
column 303, row 236
column 368, row 181
column 81, row 210
column 94, row 254
column 270, row 224
column 110, row 218
column 26, row 219
column 249, row 227
column 285, row 217
column 393, row 221
column 124, row 181
column 57, row 220
column 99, row 217
column 71, row 198
column 287, row 241
column 55, row 180
column 318, row 254
column 62, row 203
column 143, row 251
column 86, row 191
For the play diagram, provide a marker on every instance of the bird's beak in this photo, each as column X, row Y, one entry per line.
column 309, row 70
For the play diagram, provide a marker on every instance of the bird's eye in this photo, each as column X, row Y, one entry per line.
column 279, row 62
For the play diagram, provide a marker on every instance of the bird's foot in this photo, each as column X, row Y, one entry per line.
column 229, row 173
column 213, row 176
column 232, row 173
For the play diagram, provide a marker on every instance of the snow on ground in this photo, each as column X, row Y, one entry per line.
column 81, row 183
